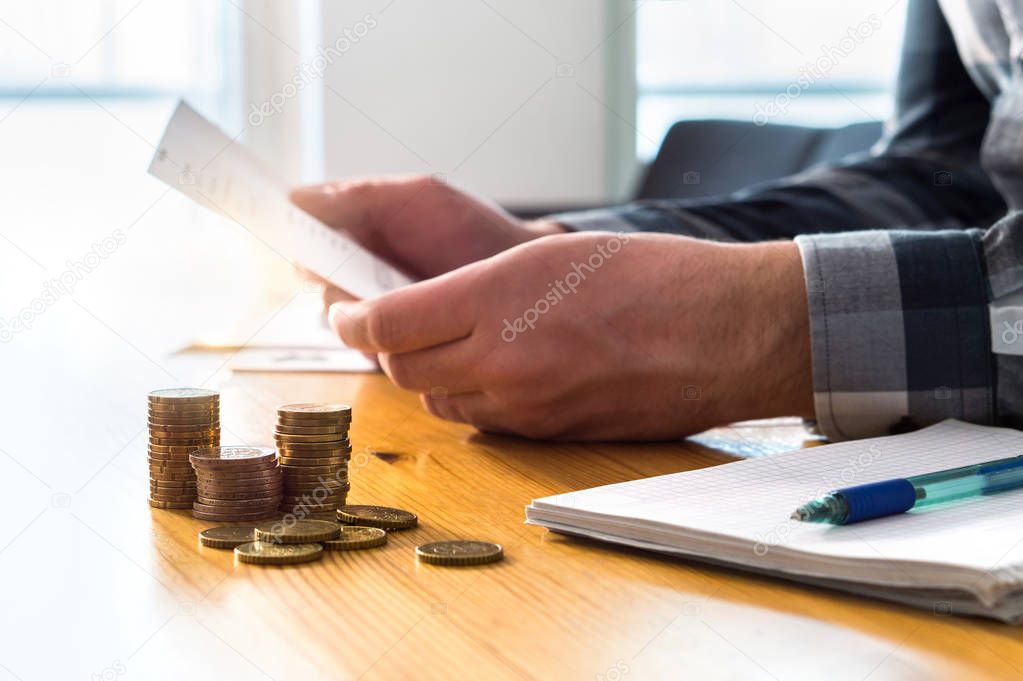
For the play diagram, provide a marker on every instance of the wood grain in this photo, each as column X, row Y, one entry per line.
column 130, row 584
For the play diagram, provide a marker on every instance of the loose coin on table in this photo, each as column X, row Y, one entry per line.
column 227, row 536
column 355, row 537
column 377, row 516
column 460, row 552
column 297, row 531
column 264, row 553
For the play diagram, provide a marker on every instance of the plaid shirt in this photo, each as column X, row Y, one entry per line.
column 911, row 260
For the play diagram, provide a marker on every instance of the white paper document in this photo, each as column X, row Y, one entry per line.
column 217, row 172
column 966, row 555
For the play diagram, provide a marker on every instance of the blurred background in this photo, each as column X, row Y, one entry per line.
column 538, row 104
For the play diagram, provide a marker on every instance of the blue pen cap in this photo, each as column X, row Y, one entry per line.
column 877, row 499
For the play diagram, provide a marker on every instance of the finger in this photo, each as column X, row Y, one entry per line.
column 309, row 275
column 357, row 206
column 411, row 318
column 475, row 408
column 457, row 408
column 446, row 369
column 332, row 294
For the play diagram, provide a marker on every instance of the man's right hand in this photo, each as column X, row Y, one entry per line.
column 418, row 223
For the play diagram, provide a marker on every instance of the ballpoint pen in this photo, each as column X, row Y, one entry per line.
column 898, row 495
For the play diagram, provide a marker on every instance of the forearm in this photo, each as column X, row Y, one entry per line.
column 920, row 192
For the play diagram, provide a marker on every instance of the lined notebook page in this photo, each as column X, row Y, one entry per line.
column 752, row 499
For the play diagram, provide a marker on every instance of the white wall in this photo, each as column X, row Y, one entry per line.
column 472, row 89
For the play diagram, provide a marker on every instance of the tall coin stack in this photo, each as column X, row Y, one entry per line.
column 180, row 421
column 312, row 440
column 236, row 483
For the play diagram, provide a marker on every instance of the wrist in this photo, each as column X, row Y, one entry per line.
column 781, row 334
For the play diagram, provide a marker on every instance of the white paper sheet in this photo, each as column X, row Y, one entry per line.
column 219, row 173
column 739, row 513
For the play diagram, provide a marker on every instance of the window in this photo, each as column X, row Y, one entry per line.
column 816, row 62
column 121, row 49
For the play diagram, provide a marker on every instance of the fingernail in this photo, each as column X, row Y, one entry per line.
column 307, row 193
column 339, row 312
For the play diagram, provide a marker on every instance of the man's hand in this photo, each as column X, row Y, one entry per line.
column 420, row 224
column 600, row 336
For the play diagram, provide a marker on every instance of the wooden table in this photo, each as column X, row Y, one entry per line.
column 99, row 585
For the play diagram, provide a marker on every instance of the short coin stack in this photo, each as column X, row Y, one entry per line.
column 181, row 420
column 236, row 483
column 314, row 448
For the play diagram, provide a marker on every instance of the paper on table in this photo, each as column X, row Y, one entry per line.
column 293, row 337
column 219, row 173
column 723, row 511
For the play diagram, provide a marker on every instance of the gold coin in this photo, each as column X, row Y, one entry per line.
column 183, row 396
column 187, row 411
column 460, row 552
column 321, row 452
column 213, row 470
column 310, row 498
column 214, row 495
column 313, row 423
column 241, row 483
column 302, row 439
column 161, row 412
column 170, row 504
column 162, row 496
column 231, row 475
column 161, row 476
column 310, row 505
column 189, row 432
column 240, row 486
column 297, row 531
column 317, row 442
column 377, row 516
column 309, row 470
column 314, row 487
column 286, row 430
column 194, row 443
column 241, row 454
column 338, row 475
column 267, row 506
column 171, row 485
column 181, row 425
column 264, row 553
column 183, row 407
column 229, row 516
column 316, row 410
column 356, row 537
column 227, row 536
column 171, row 449
column 314, row 461
column 178, row 467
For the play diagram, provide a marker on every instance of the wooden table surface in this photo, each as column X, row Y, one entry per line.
column 99, row 585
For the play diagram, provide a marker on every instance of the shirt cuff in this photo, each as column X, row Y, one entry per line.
column 899, row 329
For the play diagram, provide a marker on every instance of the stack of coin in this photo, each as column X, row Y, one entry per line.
column 236, row 483
column 180, row 421
column 312, row 440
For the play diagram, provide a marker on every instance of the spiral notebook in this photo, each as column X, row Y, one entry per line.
column 962, row 558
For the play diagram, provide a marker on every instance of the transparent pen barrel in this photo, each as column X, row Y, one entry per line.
column 968, row 481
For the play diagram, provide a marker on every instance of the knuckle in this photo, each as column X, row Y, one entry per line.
column 381, row 331
column 399, row 371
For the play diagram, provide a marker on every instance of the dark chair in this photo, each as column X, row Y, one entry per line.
column 705, row 158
